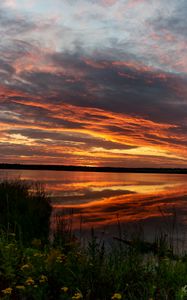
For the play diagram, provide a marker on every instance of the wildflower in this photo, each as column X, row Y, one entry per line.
column 116, row 296
column 60, row 258
column 29, row 281
column 77, row 296
column 7, row 291
column 37, row 254
column 24, row 267
column 64, row 289
column 43, row 279
column 20, row 287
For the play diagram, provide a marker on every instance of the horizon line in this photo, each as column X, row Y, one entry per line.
column 54, row 167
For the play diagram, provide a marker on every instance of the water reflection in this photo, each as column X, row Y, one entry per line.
column 99, row 200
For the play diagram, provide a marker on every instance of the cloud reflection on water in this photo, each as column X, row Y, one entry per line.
column 100, row 199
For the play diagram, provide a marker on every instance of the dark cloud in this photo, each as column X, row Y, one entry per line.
column 115, row 87
column 175, row 22
column 69, row 95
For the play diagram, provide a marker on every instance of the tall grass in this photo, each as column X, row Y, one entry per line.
column 55, row 272
column 24, row 210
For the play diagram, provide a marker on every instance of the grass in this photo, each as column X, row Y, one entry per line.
column 55, row 272
column 37, row 269
column 24, row 207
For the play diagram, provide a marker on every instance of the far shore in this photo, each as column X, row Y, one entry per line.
column 92, row 169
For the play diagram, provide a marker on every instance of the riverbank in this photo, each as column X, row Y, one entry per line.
column 65, row 270
column 32, row 267
column 5, row 166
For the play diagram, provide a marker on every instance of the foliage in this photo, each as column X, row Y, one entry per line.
column 92, row 273
column 24, row 210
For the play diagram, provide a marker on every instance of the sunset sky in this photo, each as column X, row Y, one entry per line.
column 93, row 82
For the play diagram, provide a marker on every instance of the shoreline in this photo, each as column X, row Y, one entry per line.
column 92, row 169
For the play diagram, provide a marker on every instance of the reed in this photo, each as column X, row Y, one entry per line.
column 24, row 209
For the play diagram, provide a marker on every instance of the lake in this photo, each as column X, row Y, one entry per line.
column 110, row 202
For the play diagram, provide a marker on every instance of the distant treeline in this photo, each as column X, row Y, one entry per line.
column 93, row 169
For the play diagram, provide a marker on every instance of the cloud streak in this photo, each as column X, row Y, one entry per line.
column 94, row 86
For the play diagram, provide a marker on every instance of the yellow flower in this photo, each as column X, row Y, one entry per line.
column 116, row 296
column 37, row 254
column 24, row 267
column 7, row 291
column 77, row 296
column 43, row 279
column 29, row 281
column 20, row 287
column 64, row 289
column 60, row 258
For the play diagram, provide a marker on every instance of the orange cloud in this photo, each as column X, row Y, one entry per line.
column 100, row 124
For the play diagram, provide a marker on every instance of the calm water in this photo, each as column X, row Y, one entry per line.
column 100, row 200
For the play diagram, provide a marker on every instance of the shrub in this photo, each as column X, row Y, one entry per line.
column 24, row 210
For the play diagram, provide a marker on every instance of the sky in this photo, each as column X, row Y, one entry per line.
column 93, row 82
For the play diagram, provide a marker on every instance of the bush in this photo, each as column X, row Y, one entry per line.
column 24, row 210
